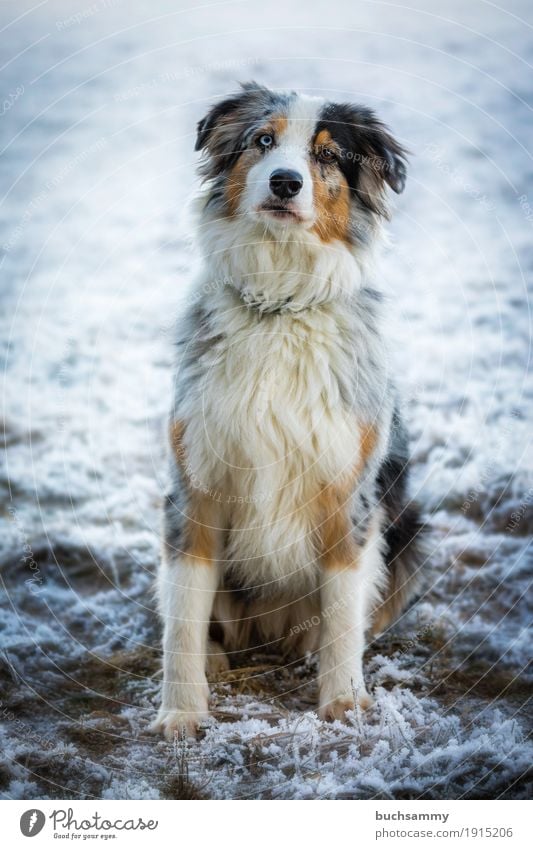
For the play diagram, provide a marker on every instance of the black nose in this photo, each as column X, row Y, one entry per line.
column 285, row 184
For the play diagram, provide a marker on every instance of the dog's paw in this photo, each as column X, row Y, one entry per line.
column 338, row 707
column 173, row 723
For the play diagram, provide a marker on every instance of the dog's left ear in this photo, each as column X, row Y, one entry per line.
column 379, row 160
column 371, row 157
column 390, row 157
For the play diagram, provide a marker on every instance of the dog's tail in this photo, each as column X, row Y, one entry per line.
column 405, row 549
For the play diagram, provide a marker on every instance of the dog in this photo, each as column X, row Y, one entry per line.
column 287, row 523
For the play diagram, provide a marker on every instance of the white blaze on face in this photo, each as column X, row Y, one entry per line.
column 290, row 153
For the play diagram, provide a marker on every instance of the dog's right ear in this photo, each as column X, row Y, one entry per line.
column 232, row 116
column 222, row 133
column 222, row 110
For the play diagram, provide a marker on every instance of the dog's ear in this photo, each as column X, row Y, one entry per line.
column 371, row 157
column 234, row 113
column 221, row 110
column 380, row 161
column 389, row 156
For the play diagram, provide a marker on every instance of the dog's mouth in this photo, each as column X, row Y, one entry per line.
column 280, row 212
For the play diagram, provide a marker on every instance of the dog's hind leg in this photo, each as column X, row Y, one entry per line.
column 406, row 550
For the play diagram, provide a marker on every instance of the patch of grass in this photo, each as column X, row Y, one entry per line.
column 484, row 680
column 98, row 733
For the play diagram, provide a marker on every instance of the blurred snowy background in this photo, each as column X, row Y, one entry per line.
column 98, row 106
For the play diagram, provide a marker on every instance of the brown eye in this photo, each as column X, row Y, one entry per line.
column 265, row 141
column 326, row 154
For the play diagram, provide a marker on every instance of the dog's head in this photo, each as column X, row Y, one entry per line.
column 291, row 161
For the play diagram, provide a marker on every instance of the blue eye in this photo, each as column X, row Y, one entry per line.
column 265, row 141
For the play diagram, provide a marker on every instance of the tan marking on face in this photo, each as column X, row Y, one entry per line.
column 324, row 139
column 278, row 125
column 237, row 177
column 331, row 195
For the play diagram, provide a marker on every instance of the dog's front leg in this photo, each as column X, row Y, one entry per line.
column 344, row 608
column 187, row 586
column 342, row 642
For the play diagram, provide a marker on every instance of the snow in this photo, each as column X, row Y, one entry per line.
column 99, row 104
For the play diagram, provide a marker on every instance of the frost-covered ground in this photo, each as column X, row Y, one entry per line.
column 98, row 106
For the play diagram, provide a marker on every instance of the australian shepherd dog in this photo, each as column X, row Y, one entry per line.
column 287, row 523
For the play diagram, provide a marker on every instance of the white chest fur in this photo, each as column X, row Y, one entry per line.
column 277, row 403
column 270, row 427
